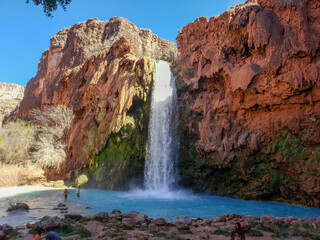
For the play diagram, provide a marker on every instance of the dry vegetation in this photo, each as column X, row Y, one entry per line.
column 18, row 138
column 40, row 143
column 11, row 175
column 51, row 126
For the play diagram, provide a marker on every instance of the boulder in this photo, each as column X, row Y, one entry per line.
column 271, row 226
column 49, row 223
column 304, row 232
column 142, row 236
column 224, row 218
column 159, row 222
column 74, row 216
column 128, row 222
column 131, row 214
column 61, row 205
column 153, row 228
column 183, row 227
column 101, row 216
column 2, row 235
column 206, row 222
column 6, row 228
column 140, row 218
column 116, row 211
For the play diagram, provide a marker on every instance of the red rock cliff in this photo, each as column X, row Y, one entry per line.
column 250, row 98
column 98, row 68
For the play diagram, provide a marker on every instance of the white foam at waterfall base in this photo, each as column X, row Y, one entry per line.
column 179, row 194
column 161, row 157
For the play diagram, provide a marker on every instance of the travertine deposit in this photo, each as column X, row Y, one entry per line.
column 250, row 101
column 103, row 70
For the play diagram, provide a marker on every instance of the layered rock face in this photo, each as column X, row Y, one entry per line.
column 104, row 71
column 250, row 101
column 10, row 96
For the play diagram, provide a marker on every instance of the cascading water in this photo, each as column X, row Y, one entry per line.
column 160, row 166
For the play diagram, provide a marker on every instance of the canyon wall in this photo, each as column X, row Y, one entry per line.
column 103, row 70
column 10, row 97
column 249, row 100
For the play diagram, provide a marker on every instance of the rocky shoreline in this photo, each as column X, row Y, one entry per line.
column 134, row 225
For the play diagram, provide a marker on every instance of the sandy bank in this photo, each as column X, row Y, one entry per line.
column 12, row 191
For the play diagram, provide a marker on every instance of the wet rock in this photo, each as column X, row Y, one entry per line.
column 60, row 205
column 74, row 216
column 18, row 206
column 159, row 222
column 101, row 216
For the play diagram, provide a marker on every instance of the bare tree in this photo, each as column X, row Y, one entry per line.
column 51, row 126
column 18, row 137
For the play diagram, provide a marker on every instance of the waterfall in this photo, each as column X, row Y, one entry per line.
column 160, row 165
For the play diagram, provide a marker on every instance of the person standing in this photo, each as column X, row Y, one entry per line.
column 65, row 194
column 237, row 233
column 78, row 193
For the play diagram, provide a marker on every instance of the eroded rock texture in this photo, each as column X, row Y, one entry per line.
column 104, row 71
column 250, row 101
column 10, row 96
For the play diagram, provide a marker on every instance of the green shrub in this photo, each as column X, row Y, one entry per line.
column 296, row 229
column 73, row 230
column 81, row 179
column 224, row 233
column 254, row 233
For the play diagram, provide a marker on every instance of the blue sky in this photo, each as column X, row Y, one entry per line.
column 26, row 31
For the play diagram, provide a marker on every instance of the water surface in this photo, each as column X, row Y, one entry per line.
column 154, row 204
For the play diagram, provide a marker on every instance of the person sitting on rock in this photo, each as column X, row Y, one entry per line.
column 39, row 231
column 237, row 233
column 52, row 235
